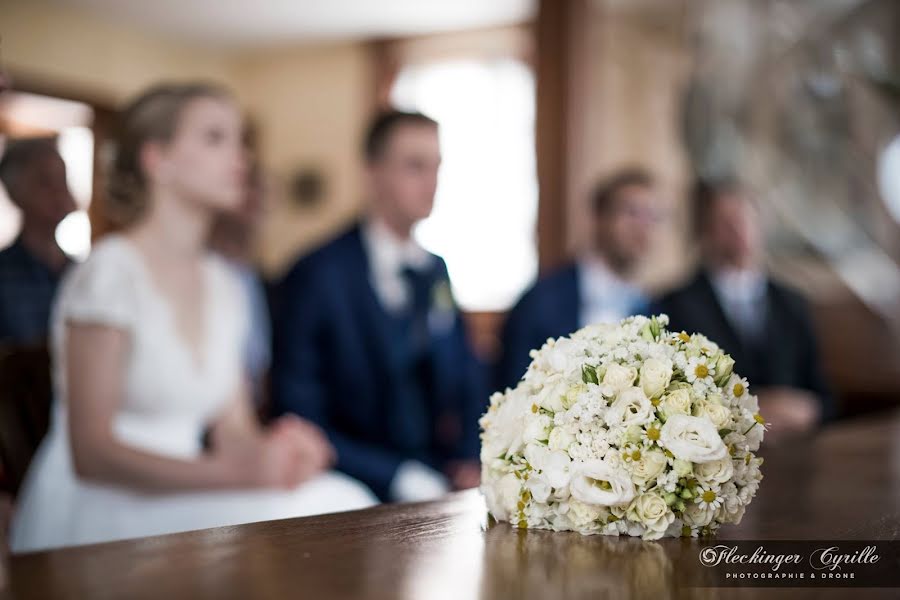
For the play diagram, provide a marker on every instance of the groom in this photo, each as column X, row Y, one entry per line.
column 368, row 341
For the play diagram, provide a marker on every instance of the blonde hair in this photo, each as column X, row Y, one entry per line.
column 151, row 117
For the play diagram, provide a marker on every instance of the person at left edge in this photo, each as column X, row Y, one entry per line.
column 368, row 341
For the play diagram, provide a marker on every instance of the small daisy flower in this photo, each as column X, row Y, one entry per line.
column 651, row 434
column 698, row 368
column 709, row 498
column 631, row 453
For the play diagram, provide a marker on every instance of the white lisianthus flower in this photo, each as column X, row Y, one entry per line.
column 655, row 375
column 595, row 482
column 651, row 510
column 648, row 466
column 557, row 468
column 692, row 438
column 631, row 407
column 539, row 488
column 676, row 402
column 717, row 471
column 619, row 377
column 696, row 516
column 552, row 394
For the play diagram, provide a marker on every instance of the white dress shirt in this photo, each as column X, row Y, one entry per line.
column 388, row 255
column 605, row 297
column 741, row 294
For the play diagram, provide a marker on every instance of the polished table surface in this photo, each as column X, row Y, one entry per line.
column 843, row 484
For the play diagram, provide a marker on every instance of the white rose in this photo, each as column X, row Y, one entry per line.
column 619, row 377
column 693, row 439
column 596, row 482
column 560, row 439
column 632, row 407
column 695, row 516
column 718, row 414
column 676, row 402
column 718, row 471
column 655, row 376
column 648, row 467
column 551, row 394
column 652, row 511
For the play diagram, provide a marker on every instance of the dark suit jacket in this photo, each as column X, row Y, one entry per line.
column 550, row 309
column 785, row 355
column 339, row 362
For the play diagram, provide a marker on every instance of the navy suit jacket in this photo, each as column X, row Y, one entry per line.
column 786, row 353
column 338, row 362
column 550, row 309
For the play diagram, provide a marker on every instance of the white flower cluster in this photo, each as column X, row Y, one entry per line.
column 624, row 429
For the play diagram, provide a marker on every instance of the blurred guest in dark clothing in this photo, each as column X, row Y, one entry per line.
column 763, row 325
column 34, row 175
column 599, row 285
column 368, row 341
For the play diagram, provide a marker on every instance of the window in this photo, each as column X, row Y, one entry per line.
column 483, row 221
column 28, row 115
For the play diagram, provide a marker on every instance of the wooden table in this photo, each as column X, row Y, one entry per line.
column 842, row 484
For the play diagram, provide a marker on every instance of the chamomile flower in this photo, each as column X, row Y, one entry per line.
column 651, row 434
column 709, row 498
column 699, row 368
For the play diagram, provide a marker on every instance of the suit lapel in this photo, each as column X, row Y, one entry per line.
column 570, row 311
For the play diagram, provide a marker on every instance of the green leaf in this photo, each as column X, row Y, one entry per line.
column 589, row 374
column 724, row 432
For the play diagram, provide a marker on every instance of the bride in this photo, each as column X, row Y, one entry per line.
column 146, row 339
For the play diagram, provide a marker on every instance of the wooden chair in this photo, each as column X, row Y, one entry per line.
column 25, row 397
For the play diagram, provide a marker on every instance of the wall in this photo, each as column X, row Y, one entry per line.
column 309, row 103
column 311, row 106
column 628, row 85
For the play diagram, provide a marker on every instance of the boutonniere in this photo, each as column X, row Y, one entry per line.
column 443, row 309
column 442, row 297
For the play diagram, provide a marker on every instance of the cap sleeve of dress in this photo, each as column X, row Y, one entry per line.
column 102, row 290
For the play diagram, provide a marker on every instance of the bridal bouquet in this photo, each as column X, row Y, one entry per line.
column 624, row 429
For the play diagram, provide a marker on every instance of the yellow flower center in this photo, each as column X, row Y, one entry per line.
column 653, row 434
column 655, row 402
column 759, row 419
column 603, row 485
column 701, row 371
column 738, row 390
column 534, row 408
column 708, row 496
column 684, row 337
column 636, row 455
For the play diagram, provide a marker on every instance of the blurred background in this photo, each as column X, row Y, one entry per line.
column 536, row 101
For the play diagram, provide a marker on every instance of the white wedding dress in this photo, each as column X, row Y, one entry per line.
column 169, row 397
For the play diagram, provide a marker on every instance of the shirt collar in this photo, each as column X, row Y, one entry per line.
column 388, row 252
column 746, row 284
column 600, row 282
